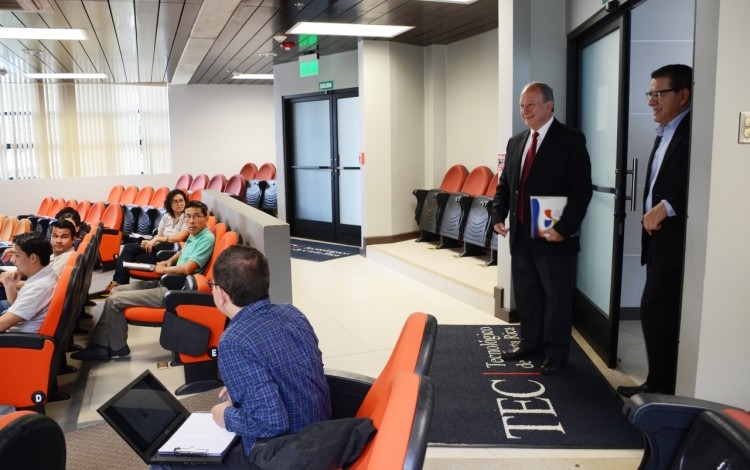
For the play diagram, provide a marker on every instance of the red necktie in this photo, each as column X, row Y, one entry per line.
column 524, row 174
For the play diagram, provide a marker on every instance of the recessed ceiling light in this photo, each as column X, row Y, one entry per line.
column 349, row 29
column 32, row 51
column 63, row 76
column 462, row 2
column 43, row 33
column 252, row 76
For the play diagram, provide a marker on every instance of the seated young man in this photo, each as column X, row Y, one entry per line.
column 110, row 336
column 82, row 228
column 63, row 238
column 268, row 358
column 27, row 304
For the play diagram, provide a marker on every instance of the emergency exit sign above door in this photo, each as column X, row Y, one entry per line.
column 325, row 85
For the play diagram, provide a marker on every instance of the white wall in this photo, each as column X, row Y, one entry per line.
column 717, row 326
column 391, row 84
column 24, row 196
column 218, row 128
column 472, row 97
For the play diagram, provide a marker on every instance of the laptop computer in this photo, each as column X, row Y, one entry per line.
column 145, row 414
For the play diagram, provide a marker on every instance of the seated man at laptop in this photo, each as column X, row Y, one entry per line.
column 27, row 302
column 268, row 357
column 109, row 338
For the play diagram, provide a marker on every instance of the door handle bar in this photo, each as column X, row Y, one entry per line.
column 633, row 181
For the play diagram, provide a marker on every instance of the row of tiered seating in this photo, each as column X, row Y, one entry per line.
column 459, row 211
column 10, row 226
column 255, row 186
column 399, row 403
column 34, row 360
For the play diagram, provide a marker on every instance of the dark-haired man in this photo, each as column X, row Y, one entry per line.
column 664, row 221
column 109, row 338
column 268, row 358
column 63, row 238
column 82, row 228
column 27, row 305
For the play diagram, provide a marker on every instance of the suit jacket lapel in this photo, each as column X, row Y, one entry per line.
column 680, row 133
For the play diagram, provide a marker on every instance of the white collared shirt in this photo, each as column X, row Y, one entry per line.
column 667, row 132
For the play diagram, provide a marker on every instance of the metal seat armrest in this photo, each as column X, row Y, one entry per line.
column 348, row 391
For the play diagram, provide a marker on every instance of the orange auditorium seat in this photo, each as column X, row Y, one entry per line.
column 184, row 181
column 456, row 210
column 115, row 194
column 267, row 171
column 217, row 182
column 430, row 203
column 199, row 182
column 249, row 170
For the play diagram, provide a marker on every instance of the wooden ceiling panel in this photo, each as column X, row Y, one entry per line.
column 187, row 18
column 169, row 21
column 143, row 40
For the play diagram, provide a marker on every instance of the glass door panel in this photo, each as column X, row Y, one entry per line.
column 598, row 62
column 599, row 84
column 350, row 186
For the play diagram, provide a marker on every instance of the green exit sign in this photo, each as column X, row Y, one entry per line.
column 325, row 85
column 308, row 68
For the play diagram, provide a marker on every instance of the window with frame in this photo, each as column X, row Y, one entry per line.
column 54, row 130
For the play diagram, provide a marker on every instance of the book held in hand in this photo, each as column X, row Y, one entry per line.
column 545, row 212
column 139, row 266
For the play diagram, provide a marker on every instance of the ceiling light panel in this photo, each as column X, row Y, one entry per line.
column 43, row 33
column 252, row 76
column 348, row 29
column 65, row 76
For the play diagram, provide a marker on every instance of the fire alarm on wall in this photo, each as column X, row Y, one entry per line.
column 287, row 45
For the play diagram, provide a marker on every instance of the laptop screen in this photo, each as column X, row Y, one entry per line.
column 145, row 414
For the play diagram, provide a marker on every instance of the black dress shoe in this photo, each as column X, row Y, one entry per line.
column 551, row 366
column 97, row 352
column 515, row 353
column 93, row 352
column 628, row 392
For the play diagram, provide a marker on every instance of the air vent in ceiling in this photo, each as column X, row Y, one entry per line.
column 29, row 6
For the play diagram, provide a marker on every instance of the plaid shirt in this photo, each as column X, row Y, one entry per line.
column 272, row 367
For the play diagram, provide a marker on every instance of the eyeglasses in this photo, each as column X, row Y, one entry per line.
column 656, row 94
column 194, row 216
column 211, row 284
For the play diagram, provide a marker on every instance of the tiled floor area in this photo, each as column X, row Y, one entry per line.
column 358, row 305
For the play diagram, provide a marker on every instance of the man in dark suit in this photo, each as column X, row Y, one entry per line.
column 664, row 217
column 549, row 159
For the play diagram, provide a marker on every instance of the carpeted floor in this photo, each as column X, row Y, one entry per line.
column 319, row 251
column 483, row 400
column 99, row 447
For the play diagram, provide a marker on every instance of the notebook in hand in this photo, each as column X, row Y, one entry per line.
column 150, row 419
column 545, row 212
